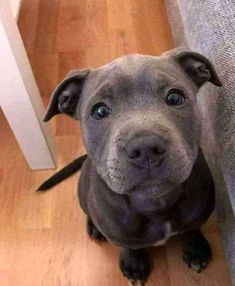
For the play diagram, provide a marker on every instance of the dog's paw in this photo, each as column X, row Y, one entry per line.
column 198, row 255
column 94, row 232
column 135, row 268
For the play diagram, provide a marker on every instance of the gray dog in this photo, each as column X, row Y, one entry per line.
column 144, row 178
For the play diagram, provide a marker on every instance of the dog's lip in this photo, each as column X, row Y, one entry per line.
column 163, row 195
column 149, row 164
column 148, row 186
column 150, row 189
column 153, row 185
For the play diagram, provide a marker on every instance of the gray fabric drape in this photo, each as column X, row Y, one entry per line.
column 208, row 27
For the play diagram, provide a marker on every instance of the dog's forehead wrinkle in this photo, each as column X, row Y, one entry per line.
column 141, row 122
column 139, row 73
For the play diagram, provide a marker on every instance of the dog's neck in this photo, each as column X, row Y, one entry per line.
column 154, row 203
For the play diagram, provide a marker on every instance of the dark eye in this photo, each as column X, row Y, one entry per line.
column 175, row 97
column 100, row 111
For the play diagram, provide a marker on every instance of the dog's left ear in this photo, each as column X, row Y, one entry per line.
column 66, row 95
column 198, row 68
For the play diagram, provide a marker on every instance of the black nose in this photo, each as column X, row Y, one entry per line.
column 146, row 148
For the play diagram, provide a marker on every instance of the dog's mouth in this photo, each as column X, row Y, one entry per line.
column 149, row 165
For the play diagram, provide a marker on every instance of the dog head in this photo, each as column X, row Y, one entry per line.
column 140, row 121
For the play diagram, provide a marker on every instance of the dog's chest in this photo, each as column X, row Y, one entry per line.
column 140, row 225
column 168, row 233
column 139, row 229
column 139, row 222
column 147, row 219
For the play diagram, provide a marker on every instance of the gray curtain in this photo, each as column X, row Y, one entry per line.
column 208, row 26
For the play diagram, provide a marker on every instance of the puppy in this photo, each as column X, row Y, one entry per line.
column 144, row 178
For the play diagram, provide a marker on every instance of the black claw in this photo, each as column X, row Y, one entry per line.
column 197, row 253
column 136, row 268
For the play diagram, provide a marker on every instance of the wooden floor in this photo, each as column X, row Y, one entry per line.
column 42, row 237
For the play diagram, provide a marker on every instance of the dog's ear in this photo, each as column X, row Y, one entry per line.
column 66, row 95
column 198, row 68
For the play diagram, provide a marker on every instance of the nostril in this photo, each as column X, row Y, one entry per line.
column 155, row 150
column 136, row 153
column 133, row 153
column 158, row 151
column 143, row 148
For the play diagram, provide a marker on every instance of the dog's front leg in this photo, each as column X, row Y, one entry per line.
column 135, row 265
column 196, row 249
column 93, row 232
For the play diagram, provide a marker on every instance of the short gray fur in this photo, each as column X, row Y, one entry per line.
column 145, row 177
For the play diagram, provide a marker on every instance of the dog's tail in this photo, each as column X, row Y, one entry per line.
column 63, row 174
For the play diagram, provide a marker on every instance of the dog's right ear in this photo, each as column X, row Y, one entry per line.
column 197, row 67
column 66, row 95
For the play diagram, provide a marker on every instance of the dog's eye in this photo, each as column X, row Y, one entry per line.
column 175, row 97
column 100, row 111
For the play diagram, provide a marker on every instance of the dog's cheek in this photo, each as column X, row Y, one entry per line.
column 181, row 157
column 121, row 181
column 187, row 140
column 95, row 140
column 181, row 167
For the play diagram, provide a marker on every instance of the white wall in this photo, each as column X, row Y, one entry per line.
column 15, row 5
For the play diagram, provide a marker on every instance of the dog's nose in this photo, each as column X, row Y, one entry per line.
column 146, row 148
